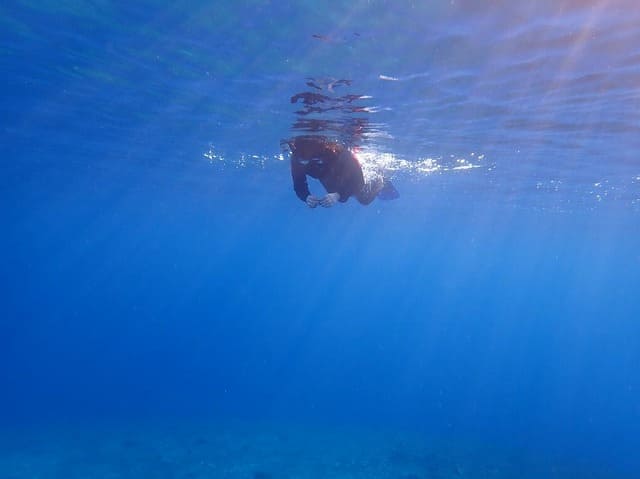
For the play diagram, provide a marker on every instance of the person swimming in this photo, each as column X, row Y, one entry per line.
column 337, row 169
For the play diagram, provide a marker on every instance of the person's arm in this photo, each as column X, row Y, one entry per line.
column 300, row 185
column 351, row 178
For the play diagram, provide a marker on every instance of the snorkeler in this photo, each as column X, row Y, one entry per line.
column 338, row 170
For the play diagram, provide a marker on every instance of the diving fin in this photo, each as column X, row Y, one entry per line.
column 388, row 191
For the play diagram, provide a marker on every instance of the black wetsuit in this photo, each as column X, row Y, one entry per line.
column 334, row 165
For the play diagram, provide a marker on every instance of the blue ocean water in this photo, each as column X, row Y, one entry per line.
column 171, row 309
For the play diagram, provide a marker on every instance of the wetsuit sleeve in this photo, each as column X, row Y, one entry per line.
column 299, row 176
column 351, row 178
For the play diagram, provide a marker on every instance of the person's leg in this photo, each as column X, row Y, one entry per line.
column 373, row 183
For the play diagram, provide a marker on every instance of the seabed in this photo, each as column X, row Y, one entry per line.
column 263, row 451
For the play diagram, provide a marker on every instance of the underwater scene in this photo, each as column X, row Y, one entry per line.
column 315, row 240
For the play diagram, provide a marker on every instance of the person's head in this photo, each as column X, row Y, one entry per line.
column 310, row 145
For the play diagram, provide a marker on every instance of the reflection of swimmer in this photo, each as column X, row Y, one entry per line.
column 338, row 170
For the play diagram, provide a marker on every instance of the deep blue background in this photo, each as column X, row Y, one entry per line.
column 140, row 279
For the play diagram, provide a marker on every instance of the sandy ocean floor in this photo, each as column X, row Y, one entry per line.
column 261, row 451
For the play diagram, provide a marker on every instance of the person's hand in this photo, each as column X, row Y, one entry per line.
column 312, row 201
column 330, row 199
